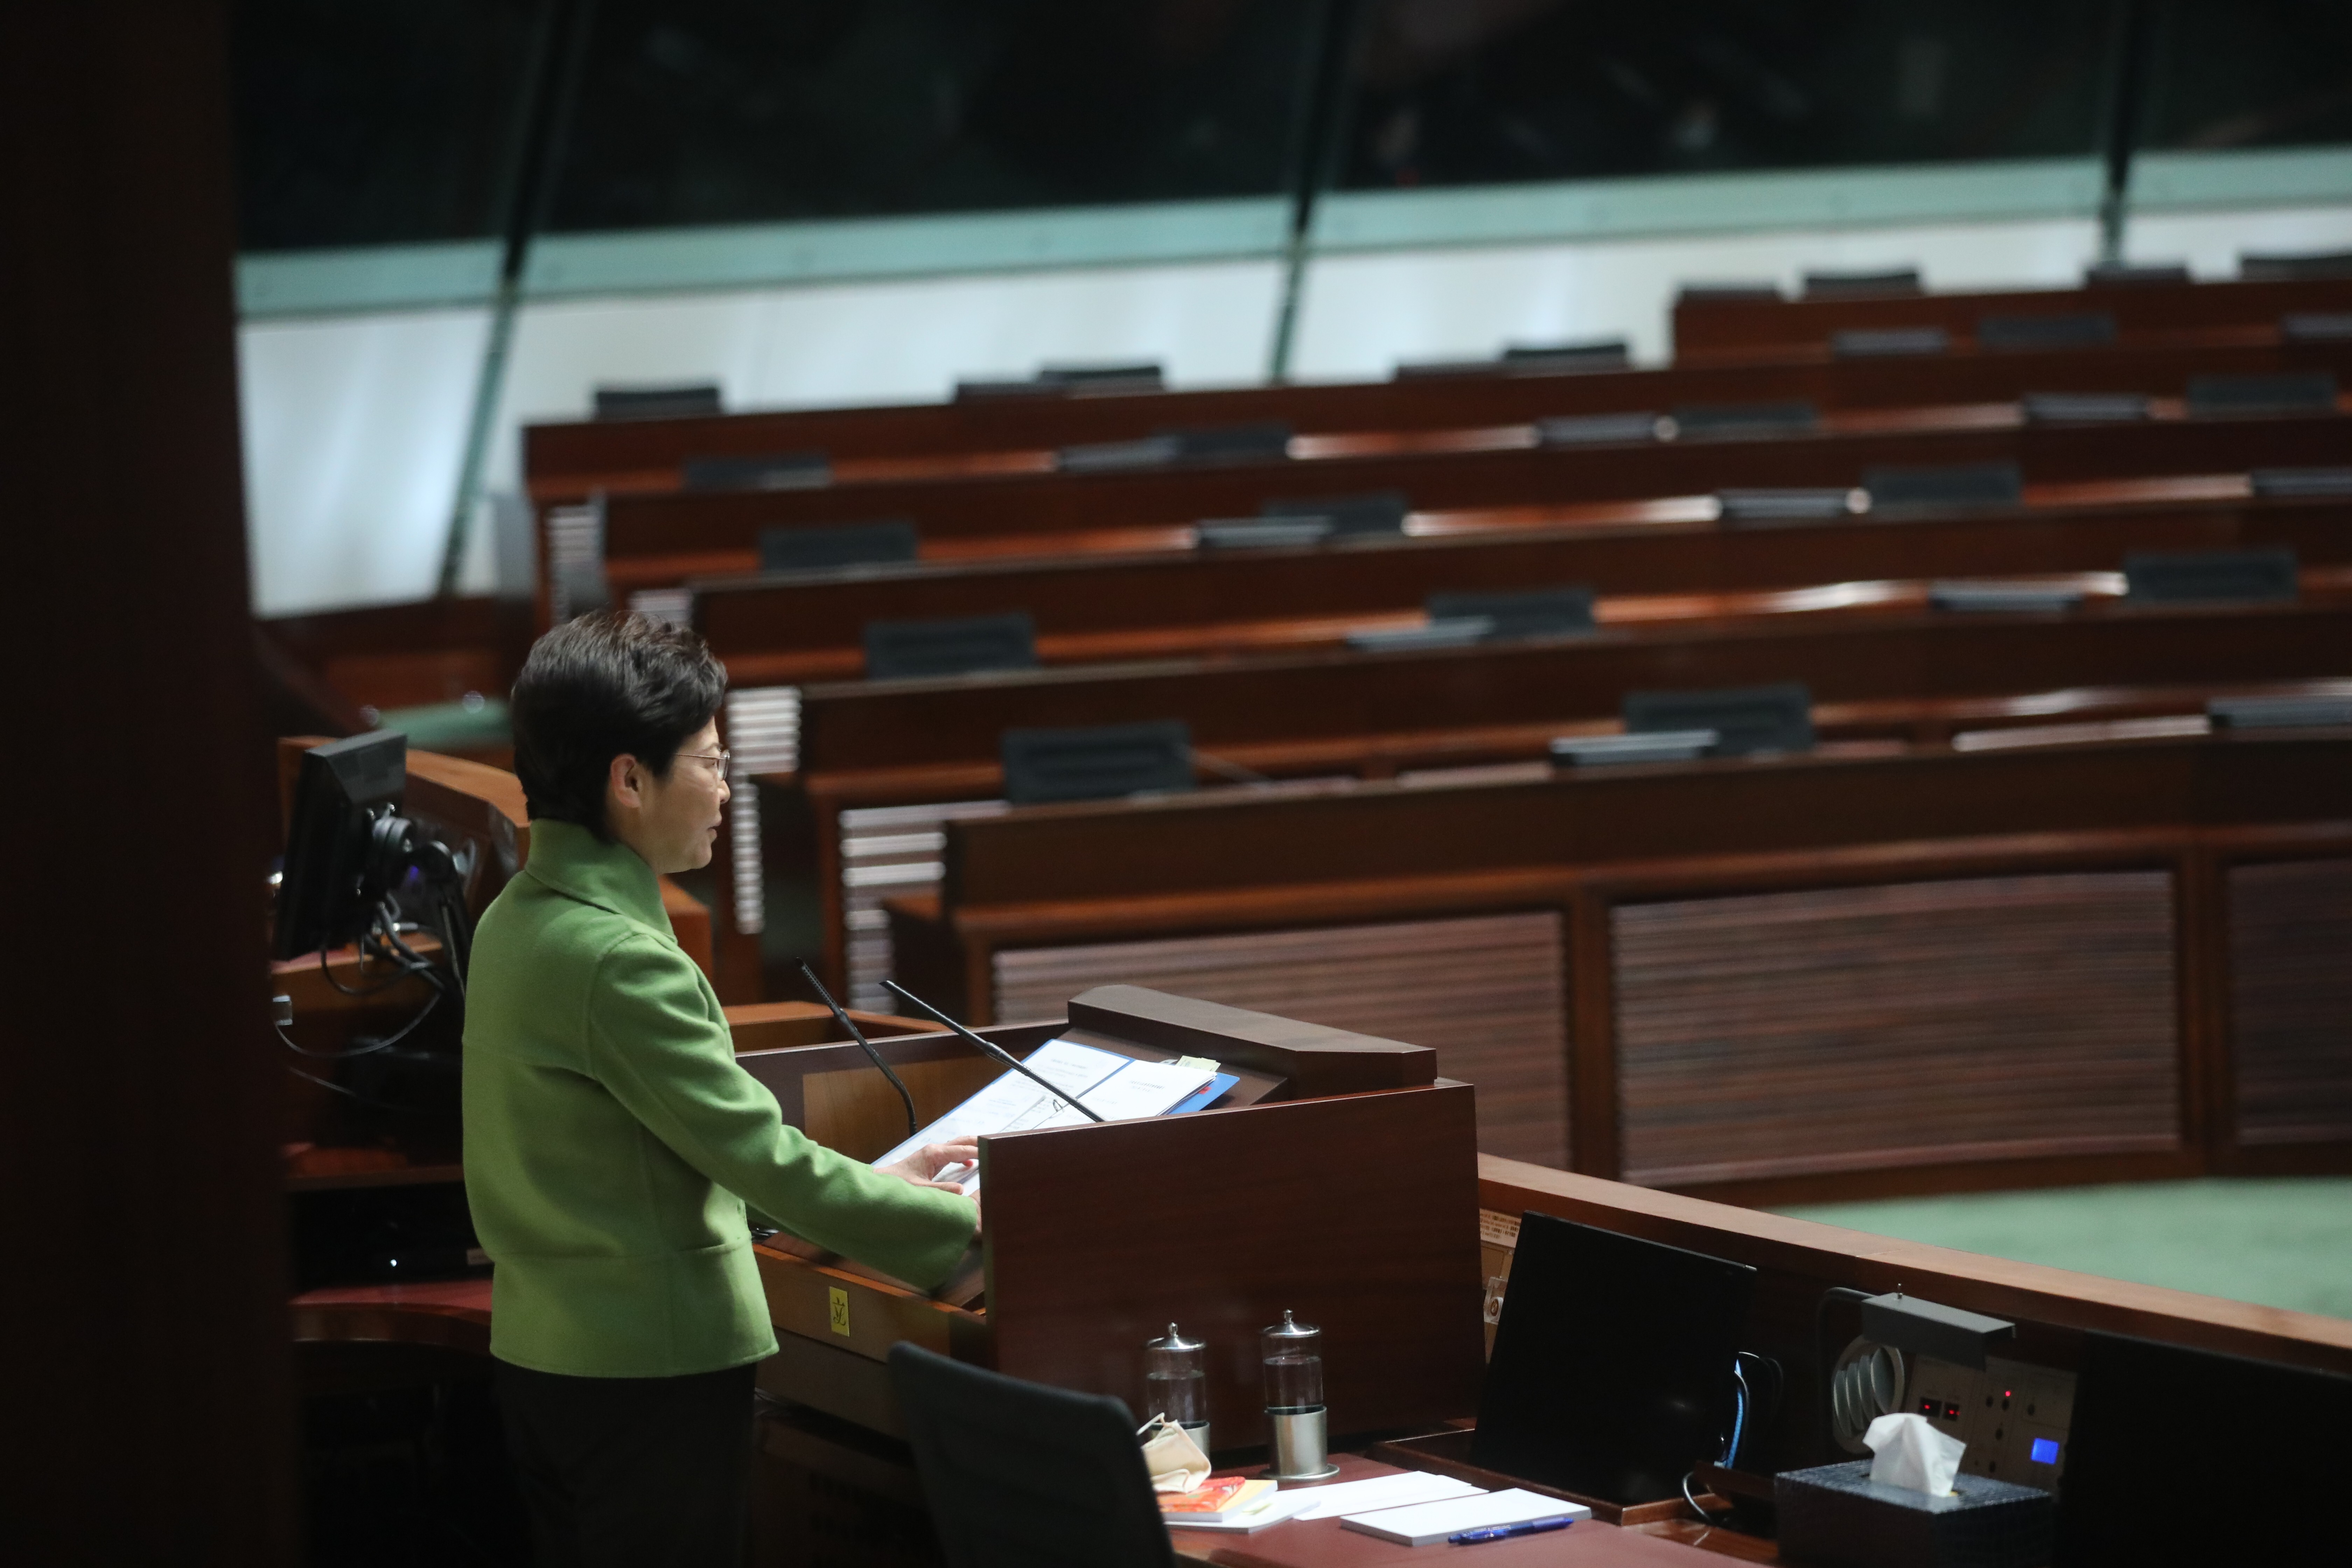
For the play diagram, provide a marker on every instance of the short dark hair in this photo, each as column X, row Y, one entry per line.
column 609, row 683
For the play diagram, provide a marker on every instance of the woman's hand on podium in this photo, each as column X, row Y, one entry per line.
column 927, row 1162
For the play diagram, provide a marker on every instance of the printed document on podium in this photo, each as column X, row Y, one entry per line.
column 1113, row 1087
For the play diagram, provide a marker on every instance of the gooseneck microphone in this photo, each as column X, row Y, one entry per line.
column 864, row 1044
column 992, row 1048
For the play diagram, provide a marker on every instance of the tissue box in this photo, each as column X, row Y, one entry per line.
column 1836, row 1515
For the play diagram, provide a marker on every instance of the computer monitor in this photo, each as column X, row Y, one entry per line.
column 1747, row 720
column 886, row 542
column 342, row 788
column 1100, row 762
column 968, row 645
column 2176, row 1455
column 1612, row 1375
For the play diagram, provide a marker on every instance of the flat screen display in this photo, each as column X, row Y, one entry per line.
column 2186, row 1455
column 1612, row 1375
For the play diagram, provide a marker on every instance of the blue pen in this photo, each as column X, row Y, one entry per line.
column 1511, row 1531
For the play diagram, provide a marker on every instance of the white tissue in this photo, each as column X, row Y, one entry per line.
column 1907, row 1452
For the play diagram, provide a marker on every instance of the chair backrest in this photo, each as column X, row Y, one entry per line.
column 1018, row 1475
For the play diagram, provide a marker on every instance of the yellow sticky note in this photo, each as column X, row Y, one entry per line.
column 837, row 1310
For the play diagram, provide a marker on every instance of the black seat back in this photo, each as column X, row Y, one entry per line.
column 1018, row 1475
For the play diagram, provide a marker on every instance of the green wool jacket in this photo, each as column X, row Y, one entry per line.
column 612, row 1142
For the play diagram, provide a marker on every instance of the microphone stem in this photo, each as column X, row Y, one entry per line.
column 846, row 1022
column 993, row 1049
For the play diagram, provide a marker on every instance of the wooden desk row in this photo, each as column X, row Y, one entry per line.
column 869, row 754
column 1771, row 979
column 655, row 541
column 1762, row 351
column 790, row 627
column 1707, row 327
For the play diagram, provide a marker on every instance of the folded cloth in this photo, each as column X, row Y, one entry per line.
column 1173, row 1460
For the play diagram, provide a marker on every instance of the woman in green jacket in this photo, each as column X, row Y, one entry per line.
column 611, row 1144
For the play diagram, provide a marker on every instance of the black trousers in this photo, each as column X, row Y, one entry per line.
column 631, row 1472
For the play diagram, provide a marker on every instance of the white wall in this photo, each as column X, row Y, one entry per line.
column 354, row 428
column 900, row 342
column 2210, row 242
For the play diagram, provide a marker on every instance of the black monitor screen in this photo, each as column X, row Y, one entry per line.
column 1612, row 1375
column 2186, row 1455
column 319, row 901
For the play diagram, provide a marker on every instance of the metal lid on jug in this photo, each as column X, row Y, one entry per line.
column 1174, row 1341
column 1290, row 1327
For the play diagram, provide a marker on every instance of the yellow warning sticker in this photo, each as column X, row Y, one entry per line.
column 837, row 1310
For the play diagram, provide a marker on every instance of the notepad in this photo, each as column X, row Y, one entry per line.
column 1425, row 1525
column 1113, row 1087
column 1277, row 1508
column 1396, row 1491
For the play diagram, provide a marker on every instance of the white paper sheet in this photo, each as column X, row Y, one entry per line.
column 1427, row 1524
column 1328, row 1501
column 1114, row 1087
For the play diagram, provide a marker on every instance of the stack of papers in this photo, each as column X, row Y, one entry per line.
column 1411, row 1506
column 1381, row 1492
column 1113, row 1087
column 1427, row 1524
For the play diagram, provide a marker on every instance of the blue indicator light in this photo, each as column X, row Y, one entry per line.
column 2045, row 1451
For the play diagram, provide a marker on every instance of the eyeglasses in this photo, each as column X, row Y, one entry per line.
column 719, row 762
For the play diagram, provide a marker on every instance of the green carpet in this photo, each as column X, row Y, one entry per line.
column 2278, row 1243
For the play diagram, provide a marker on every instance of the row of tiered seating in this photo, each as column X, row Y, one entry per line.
column 1995, row 346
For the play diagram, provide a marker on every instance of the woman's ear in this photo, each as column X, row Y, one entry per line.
column 622, row 783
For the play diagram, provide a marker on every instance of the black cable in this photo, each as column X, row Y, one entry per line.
column 1705, row 1517
column 846, row 1022
column 335, row 1088
column 372, row 1047
column 367, row 1100
column 413, row 966
column 1772, row 1398
column 388, row 929
column 326, row 970
column 452, row 939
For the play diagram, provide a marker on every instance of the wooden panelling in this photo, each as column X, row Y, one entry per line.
column 2291, row 1000
column 1782, row 1034
column 1359, row 1213
column 1489, row 993
column 850, row 1110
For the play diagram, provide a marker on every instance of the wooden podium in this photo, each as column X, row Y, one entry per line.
column 1338, row 1180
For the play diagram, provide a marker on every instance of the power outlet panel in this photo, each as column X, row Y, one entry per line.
column 2013, row 1417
